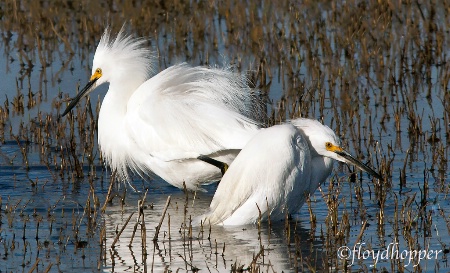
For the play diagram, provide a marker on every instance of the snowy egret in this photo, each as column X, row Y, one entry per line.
column 275, row 172
column 163, row 123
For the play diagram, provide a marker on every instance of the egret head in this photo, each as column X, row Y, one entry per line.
column 324, row 142
column 123, row 59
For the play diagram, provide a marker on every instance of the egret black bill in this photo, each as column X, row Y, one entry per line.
column 363, row 167
column 350, row 159
column 80, row 95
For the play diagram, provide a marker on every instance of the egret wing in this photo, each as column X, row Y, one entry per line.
column 186, row 111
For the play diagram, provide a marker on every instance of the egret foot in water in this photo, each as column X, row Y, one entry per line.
column 219, row 164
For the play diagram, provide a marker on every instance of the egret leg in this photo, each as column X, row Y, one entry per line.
column 219, row 164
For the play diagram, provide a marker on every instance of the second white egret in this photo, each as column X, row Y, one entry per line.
column 163, row 123
column 275, row 172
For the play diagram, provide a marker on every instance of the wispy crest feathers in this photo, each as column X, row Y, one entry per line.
column 131, row 53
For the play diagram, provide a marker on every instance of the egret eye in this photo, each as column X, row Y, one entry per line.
column 97, row 74
column 328, row 145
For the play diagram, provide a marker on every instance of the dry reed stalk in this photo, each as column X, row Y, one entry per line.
column 121, row 230
column 155, row 238
column 34, row 265
column 108, row 195
column 361, row 232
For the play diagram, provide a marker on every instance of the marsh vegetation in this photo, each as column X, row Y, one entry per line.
column 376, row 72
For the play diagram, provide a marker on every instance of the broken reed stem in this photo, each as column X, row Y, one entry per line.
column 48, row 268
column 155, row 238
column 143, row 232
column 121, row 230
column 34, row 265
column 255, row 259
column 133, row 234
column 108, row 196
column 141, row 214
column 363, row 228
column 168, row 225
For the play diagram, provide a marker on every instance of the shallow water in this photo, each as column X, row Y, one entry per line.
column 377, row 74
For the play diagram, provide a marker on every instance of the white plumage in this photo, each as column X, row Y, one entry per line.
column 270, row 173
column 275, row 172
column 162, row 124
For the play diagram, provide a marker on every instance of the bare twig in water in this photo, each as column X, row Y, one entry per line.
column 253, row 264
column 108, row 196
column 140, row 220
column 155, row 238
column 361, row 232
column 34, row 265
column 121, row 230
column 48, row 268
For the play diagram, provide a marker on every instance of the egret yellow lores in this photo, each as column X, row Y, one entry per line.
column 275, row 172
column 161, row 124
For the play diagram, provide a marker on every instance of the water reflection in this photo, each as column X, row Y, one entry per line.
column 376, row 72
column 221, row 248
